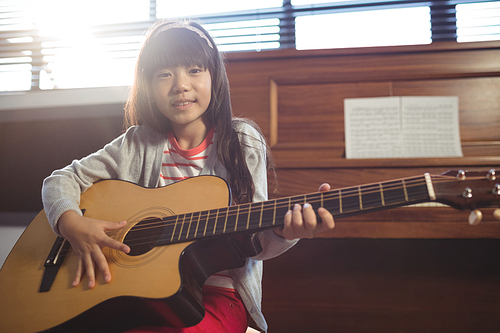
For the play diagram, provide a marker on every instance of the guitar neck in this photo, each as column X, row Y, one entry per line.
column 253, row 217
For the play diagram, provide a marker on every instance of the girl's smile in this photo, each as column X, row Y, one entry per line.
column 183, row 104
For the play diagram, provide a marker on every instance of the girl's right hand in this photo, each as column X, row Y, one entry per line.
column 87, row 238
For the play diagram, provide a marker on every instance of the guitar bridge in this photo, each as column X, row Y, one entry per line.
column 55, row 253
column 53, row 263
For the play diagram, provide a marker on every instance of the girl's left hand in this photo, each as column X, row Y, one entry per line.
column 301, row 222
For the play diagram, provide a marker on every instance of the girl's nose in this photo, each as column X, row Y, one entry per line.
column 181, row 84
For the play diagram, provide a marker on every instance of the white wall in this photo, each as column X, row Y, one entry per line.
column 27, row 106
column 12, row 226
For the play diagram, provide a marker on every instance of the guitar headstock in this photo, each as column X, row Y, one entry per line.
column 468, row 190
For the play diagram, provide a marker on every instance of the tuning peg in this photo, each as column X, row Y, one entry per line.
column 496, row 213
column 496, row 189
column 475, row 217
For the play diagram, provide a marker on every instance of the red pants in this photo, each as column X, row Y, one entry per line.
column 224, row 312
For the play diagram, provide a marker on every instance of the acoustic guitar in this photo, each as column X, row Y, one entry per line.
column 179, row 235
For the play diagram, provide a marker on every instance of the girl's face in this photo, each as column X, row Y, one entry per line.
column 182, row 94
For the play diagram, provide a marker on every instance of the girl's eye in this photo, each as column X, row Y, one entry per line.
column 164, row 74
column 195, row 70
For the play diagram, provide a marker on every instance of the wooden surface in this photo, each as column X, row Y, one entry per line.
column 380, row 285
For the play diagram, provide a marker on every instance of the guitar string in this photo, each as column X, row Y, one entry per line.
column 276, row 205
column 203, row 215
column 282, row 203
column 247, row 210
column 356, row 192
column 265, row 219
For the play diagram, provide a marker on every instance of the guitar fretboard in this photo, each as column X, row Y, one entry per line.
column 253, row 217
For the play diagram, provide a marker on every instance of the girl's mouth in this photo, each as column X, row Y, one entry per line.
column 182, row 105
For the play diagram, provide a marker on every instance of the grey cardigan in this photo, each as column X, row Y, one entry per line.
column 136, row 157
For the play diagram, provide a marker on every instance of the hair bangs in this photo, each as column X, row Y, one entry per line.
column 178, row 48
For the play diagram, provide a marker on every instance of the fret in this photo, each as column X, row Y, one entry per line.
column 210, row 226
column 189, row 226
column 274, row 212
column 370, row 196
column 225, row 220
column 194, row 229
column 219, row 219
column 243, row 221
column 417, row 190
column 406, row 193
column 340, row 202
column 313, row 200
column 268, row 213
column 332, row 201
column 382, row 194
column 215, row 222
column 175, row 227
column 360, row 198
column 199, row 223
column 297, row 200
column 182, row 226
column 350, row 200
column 168, row 226
column 232, row 216
column 261, row 213
column 202, row 225
column 255, row 216
column 281, row 207
column 249, row 214
column 206, row 223
column 237, row 218
column 394, row 192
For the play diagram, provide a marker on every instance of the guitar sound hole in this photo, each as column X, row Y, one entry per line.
column 144, row 236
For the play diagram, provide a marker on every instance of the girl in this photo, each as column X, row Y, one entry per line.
column 180, row 125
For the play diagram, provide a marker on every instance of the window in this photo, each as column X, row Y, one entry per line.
column 56, row 44
column 15, row 61
column 364, row 28
column 71, row 43
column 478, row 21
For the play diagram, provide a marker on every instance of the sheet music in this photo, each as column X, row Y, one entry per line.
column 402, row 127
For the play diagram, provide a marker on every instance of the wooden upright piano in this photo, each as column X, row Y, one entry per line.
column 408, row 269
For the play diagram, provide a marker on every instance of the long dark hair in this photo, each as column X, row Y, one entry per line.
column 174, row 47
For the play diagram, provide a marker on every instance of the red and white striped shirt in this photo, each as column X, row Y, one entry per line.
column 178, row 164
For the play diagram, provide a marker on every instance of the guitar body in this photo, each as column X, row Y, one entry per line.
column 161, row 286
